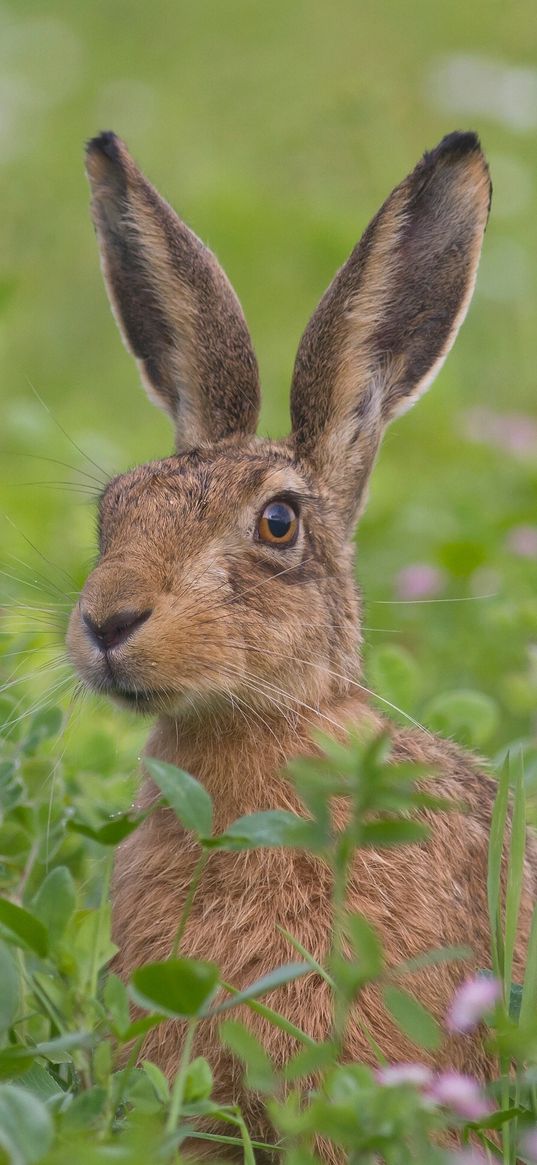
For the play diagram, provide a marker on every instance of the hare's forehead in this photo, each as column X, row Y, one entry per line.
column 194, row 483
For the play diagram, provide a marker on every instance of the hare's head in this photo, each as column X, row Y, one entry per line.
column 226, row 570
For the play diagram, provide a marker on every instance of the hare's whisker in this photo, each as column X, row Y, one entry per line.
column 270, row 687
column 38, row 706
column 55, row 461
column 428, row 602
column 43, row 558
column 45, row 668
column 65, row 433
column 25, row 651
column 66, row 486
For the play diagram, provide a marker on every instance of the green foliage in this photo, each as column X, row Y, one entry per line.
column 188, row 799
column 470, row 717
column 177, row 987
column 412, row 1017
column 63, row 1015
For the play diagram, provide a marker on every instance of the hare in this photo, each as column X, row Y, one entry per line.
column 224, row 601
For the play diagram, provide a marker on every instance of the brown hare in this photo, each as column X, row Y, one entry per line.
column 224, row 601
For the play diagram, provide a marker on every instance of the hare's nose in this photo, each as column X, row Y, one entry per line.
column 116, row 629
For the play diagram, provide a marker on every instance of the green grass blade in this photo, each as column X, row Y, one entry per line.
column 515, row 874
column 528, row 1006
column 497, row 832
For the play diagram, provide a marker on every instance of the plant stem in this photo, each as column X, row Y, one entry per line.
column 194, row 883
column 178, row 1090
column 94, row 972
column 221, row 1139
column 273, row 1017
column 314, row 964
column 116, row 1093
column 342, row 857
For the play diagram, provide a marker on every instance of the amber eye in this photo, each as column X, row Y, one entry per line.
column 278, row 524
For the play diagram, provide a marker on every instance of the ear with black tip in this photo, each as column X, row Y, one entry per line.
column 389, row 318
column 176, row 310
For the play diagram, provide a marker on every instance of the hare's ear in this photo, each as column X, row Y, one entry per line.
column 177, row 312
column 387, row 322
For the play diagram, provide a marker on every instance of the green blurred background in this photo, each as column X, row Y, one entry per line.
column 276, row 130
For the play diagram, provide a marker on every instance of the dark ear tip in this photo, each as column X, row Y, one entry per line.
column 459, row 144
column 107, row 161
column 106, row 144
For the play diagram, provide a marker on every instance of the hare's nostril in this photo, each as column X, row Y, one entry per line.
column 116, row 629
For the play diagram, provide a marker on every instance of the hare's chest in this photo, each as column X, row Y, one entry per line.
column 245, row 905
column 242, row 905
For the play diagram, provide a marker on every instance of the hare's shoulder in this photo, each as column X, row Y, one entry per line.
column 461, row 777
column 456, row 774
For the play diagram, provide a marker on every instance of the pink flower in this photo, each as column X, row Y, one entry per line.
column 472, row 1001
column 528, row 1144
column 418, row 581
column 462, row 1095
column 522, row 540
column 514, row 432
column 418, row 1074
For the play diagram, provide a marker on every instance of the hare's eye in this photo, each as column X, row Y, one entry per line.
column 278, row 524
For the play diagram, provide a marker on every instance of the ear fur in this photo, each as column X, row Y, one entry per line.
column 176, row 310
column 389, row 318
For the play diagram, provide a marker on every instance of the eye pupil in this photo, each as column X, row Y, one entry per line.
column 279, row 519
column 278, row 524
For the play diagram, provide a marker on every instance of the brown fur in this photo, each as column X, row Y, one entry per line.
column 245, row 647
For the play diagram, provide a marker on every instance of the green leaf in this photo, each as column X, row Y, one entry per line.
column 498, row 1118
column 9, row 988
column 112, row 832
column 515, row 871
column 309, row 1060
column 17, row 1058
column 139, row 1027
column 84, row 1112
column 199, row 1081
column 40, row 1083
column 432, row 958
column 515, row 1000
column 116, row 1001
column 175, row 987
column 158, row 1080
column 20, row 928
column 393, row 831
column 259, row 1073
column 189, row 800
column 26, row 1129
column 89, row 934
column 494, row 878
column 273, row 827
column 529, row 996
column 54, row 1048
column 413, row 1019
column 365, row 944
column 395, row 675
column 278, row 978
column 469, row 717
column 12, row 1065
column 55, row 901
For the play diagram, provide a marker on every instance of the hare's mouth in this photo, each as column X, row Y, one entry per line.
column 140, row 700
